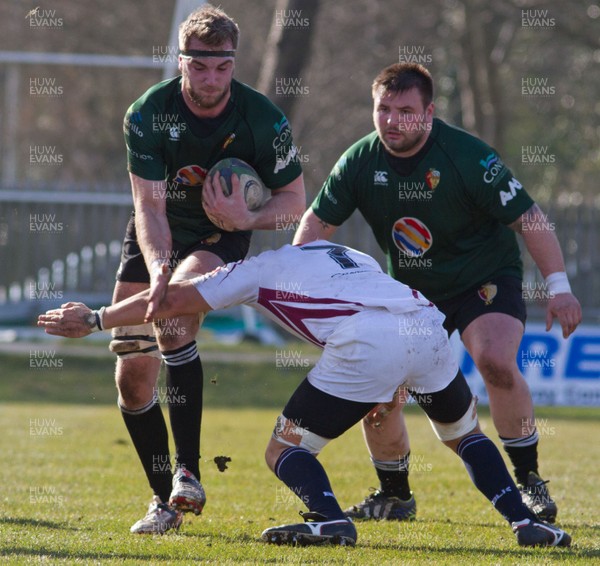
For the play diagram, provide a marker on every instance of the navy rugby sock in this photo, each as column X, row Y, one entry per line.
column 490, row 476
column 184, row 397
column 303, row 474
column 148, row 432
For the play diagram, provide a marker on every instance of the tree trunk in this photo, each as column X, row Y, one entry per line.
column 288, row 52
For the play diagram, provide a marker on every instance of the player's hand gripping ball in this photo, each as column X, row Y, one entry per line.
column 251, row 185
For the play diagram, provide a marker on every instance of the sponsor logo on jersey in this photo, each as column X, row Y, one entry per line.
column 513, row 187
column 142, row 156
column 432, row 178
column 283, row 162
column 280, row 126
column 133, row 127
column 329, row 195
column 380, row 178
column 411, row 236
column 487, row 293
column 493, row 166
column 191, row 175
column 284, row 134
column 337, row 169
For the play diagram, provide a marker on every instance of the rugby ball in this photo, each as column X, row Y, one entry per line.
column 255, row 193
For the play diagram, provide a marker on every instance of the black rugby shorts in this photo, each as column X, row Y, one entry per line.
column 503, row 294
column 229, row 246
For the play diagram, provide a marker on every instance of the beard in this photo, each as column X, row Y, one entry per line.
column 402, row 145
column 205, row 101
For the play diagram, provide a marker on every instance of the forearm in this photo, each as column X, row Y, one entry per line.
column 153, row 234
column 312, row 228
column 541, row 241
column 151, row 225
column 76, row 320
column 545, row 251
column 182, row 298
column 129, row 312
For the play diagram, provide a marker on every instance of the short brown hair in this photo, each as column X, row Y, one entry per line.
column 211, row 26
column 401, row 77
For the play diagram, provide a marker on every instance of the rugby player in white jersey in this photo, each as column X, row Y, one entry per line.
column 376, row 334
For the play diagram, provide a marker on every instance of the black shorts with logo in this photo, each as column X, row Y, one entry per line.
column 502, row 294
column 229, row 246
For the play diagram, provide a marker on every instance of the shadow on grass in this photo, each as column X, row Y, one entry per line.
column 566, row 525
column 78, row 555
column 518, row 554
column 27, row 522
column 558, row 553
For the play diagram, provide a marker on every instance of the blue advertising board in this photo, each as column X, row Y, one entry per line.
column 558, row 371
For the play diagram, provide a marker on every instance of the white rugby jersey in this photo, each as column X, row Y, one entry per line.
column 308, row 289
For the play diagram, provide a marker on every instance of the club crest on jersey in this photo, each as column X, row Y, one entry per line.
column 191, row 175
column 411, row 236
column 487, row 293
column 432, row 178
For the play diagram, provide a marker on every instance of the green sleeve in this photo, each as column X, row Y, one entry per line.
column 144, row 155
column 336, row 201
column 493, row 187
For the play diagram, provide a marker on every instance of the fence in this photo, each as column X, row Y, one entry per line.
column 62, row 243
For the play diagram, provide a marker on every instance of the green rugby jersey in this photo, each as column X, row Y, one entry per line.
column 440, row 217
column 166, row 142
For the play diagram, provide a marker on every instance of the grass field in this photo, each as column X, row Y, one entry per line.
column 72, row 485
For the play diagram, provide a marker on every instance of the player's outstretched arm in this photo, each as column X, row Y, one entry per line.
column 75, row 320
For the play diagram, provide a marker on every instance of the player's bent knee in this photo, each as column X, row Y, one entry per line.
column 134, row 341
column 289, row 433
column 497, row 371
column 451, row 431
column 136, row 385
column 272, row 453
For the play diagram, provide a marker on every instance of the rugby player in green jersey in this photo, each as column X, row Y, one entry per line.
column 175, row 132
column 445, row 210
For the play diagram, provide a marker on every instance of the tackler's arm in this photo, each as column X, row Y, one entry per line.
column 75, row 320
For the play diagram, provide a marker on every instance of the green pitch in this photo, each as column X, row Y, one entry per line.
column 72, row 486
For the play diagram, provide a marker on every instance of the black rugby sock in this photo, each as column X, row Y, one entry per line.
column 148, row 432
column 184, row 397
column 393, row 477
column 523, row 455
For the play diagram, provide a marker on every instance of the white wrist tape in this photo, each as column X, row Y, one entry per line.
column 558, row 283
column 98, row 323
